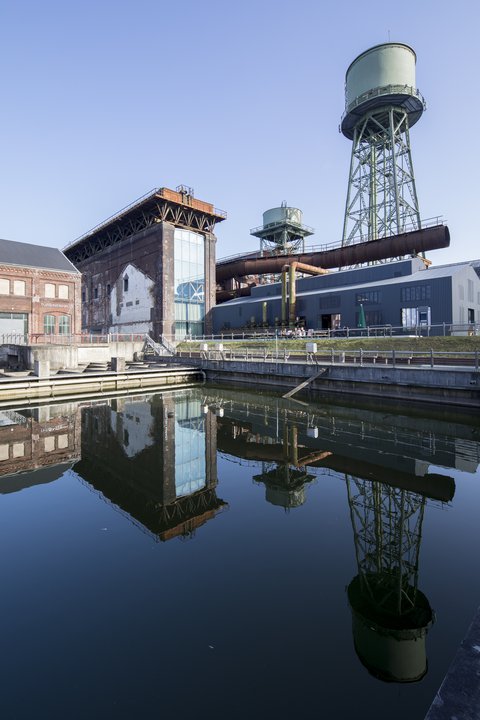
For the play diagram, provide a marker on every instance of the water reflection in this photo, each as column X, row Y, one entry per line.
column 44, row 438
column 386, row 468
column 154, row 458
column 391, row 615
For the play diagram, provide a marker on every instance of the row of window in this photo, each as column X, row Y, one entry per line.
column 370, row 297
column 53, row 325
column 96, row 291
column 415, row 292
column 19, row 287
column 17, row 449
column 328, row 301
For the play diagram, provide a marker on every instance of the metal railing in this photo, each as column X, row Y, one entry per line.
column 384, row 90
column 79, row 339
column 374, row 331
column 387, row 358
column 123, row 211
column 161, row 348
column 282, row 223
column 108, row 220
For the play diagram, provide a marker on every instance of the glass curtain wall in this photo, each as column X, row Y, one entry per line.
column 189, row 279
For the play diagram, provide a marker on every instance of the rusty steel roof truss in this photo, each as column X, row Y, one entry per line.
column 139, row 219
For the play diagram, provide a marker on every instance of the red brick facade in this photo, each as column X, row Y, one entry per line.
column 38, row 293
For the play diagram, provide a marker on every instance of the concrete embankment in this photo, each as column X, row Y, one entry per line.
column 31, row 390
column 444, row 385
column 69, row 355
column 459, row 694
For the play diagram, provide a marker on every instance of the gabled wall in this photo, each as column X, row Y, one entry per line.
column 465, row 294
column 131, row 308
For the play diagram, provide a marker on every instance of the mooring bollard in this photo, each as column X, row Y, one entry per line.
column 41, row 368
column 118, row 364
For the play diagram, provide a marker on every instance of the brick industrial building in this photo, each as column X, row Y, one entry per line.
column 39, row 293
column 151, row 267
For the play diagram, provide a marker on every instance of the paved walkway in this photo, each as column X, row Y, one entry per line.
column 459, row 695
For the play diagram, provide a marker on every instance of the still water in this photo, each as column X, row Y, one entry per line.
column 214, row 553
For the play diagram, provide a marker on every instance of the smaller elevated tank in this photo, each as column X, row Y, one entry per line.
column 282, row 230
column 282, row 214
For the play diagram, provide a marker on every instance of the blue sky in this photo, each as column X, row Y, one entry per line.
column 102, row 101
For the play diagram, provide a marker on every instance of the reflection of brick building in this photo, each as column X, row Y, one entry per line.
column 49, row 436
column 39, row 292
column 155, row 459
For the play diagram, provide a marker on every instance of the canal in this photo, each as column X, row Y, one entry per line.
column 220, row 553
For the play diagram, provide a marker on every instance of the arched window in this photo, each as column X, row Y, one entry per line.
column 49, row 324
column 125, row 283
column 64, row 325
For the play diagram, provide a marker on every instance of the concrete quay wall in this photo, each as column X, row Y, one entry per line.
column 34, row 390
column 68, row 356
column 450, row 386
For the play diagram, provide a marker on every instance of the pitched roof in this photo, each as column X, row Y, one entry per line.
column 38, row 256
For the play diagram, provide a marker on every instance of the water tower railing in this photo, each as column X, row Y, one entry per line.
column 384, row 90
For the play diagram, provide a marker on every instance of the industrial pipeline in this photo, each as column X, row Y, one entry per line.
column 409, row 243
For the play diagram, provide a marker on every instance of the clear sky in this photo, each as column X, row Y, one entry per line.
column 102, row 101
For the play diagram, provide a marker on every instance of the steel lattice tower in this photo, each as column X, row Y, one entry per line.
column 381, row 105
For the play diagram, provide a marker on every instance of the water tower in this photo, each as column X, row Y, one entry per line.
column 282, row 231
column 382, row 103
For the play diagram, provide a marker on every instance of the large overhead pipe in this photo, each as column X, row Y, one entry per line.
column 411, row 243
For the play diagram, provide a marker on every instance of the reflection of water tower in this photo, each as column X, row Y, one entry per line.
column 391, row 616
column 382, row 103
column 282, row 231
column 284, row 485
column 285, row 482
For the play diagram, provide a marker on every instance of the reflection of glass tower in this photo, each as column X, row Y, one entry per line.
column 391, row 616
